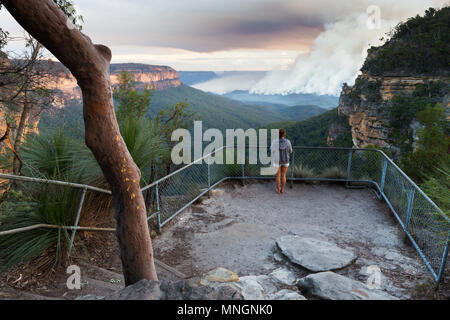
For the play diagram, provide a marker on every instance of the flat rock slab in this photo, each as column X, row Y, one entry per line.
column 332, row 286
column 315, row 255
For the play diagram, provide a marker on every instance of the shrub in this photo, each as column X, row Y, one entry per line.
column 303, row 172
column 334, row 173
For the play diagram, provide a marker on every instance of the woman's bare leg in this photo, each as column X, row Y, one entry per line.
column 283, row 178
column 278, row 180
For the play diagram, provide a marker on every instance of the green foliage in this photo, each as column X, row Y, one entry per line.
column 215, row 111
column 418, row 46
column 313, row 131
column 437, row 187
column 334, row 173
column 130, row 103
column 302, row 171
column 49, row 156
column 432, row 146
column 404, row 109
column 371, row 90
column 68, row 8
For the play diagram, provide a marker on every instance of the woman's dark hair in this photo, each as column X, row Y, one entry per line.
column 282, row 133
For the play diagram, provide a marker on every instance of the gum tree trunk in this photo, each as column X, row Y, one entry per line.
column 89, row 63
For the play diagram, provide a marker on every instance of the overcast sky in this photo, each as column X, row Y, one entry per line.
column 223, row 35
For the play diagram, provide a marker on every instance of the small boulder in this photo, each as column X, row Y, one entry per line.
column 219, row 275
column 315, row 255
column 332, row 286
column 287, row 295
column 278, row 257
column 251, row 289
column 141, row 290
column 284, row 276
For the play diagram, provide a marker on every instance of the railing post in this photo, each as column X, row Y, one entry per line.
column 77, row 219
column 383, row 175
column 443, row 260
column 292, row 169
column 243, row 173
column 209, row 180
column 158, row 213
column 349, row 166
column 409, row 210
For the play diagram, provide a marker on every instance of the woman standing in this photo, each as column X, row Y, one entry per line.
column 281, row 160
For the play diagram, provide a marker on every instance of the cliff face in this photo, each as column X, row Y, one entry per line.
column 61, row 80
column 146, row 76
column 408, row 72
column 365, row 105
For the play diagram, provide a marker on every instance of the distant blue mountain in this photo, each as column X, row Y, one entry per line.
column 191, row 78
column 324, row 101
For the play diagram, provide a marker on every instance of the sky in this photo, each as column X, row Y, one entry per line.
column 306, row 45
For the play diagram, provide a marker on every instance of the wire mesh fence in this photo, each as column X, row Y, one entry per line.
column 424, row 223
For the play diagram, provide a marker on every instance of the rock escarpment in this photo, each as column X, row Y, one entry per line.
column 399, row 79
column 366, row 105
column 146, row 76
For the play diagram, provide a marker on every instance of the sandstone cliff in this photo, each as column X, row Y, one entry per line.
column 408, row 72
column 146, row 76
column 60, row 80
column 365, row 105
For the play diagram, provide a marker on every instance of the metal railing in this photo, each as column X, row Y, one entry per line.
column 424, row 223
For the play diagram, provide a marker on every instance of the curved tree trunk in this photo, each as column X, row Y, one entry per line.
column 89, row 64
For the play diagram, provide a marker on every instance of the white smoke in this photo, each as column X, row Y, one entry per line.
column 231, row 82
column 339, row 52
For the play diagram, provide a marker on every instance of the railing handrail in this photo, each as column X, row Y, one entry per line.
column 96, row 189
column 56, row 182
column 408, row 185
column 414, row 185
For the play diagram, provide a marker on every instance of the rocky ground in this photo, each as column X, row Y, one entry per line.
column 313, row 242
column 239, row 227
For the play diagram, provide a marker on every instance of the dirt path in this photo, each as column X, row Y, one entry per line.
column 237, row 230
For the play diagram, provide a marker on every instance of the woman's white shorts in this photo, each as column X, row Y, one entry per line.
column 277, row 165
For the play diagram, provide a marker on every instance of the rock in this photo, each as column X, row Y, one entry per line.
column 284, row 276
column 385, row 283
column 179, row 290
column 141, row 290
column 192, row 290
column 278, row 257
column 314, row 255
column 287, row 295
column 332, row 286
column 266, row 283
column 250, row 288
column 220, row 275
column 394, row 260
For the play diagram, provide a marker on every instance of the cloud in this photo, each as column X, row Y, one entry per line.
column 208, row 35
column 339, row 52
